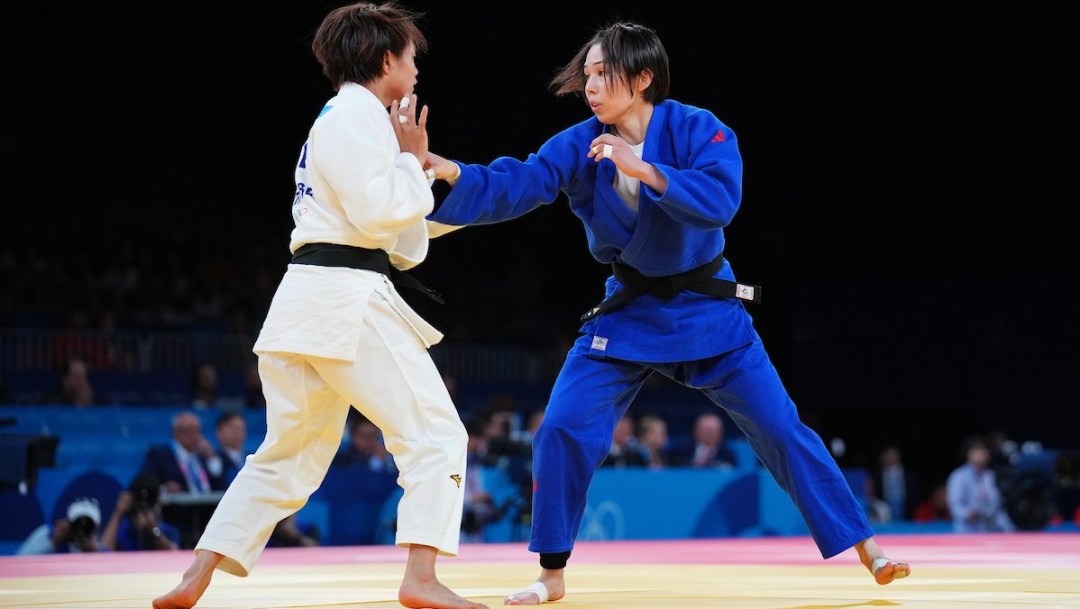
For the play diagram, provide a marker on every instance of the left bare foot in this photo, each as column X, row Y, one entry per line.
column 433, row 595
column 191, row 587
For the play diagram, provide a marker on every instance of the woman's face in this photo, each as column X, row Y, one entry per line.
column 403, row 72
column 609, row 98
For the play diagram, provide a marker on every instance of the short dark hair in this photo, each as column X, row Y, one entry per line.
column 629, row 49
column 225, row 417
column 352, row 40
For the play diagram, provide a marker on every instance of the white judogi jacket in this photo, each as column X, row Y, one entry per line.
column 354, row 187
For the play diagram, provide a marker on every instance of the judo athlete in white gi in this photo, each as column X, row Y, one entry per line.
column 655, row 182
column 338, row 333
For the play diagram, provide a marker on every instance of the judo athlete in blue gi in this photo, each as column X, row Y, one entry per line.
column 654, row 182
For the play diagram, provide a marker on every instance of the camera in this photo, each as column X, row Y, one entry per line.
column 145, row 492
column 82, row 529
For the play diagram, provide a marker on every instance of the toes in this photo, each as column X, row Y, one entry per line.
column 889, row 571
column 522, row 598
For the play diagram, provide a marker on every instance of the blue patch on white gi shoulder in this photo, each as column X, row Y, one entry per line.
column 324, row 111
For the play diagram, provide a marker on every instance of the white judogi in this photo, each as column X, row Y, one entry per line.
column 336, row 337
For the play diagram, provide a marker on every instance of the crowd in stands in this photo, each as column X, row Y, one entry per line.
column 983, row 492
column 978, row 495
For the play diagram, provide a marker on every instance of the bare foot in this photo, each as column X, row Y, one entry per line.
column 882, row 568
column 194, row 583
column 433, row 595
column 885, row 570
column 550, row 586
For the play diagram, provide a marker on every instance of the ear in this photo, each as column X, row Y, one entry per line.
column 387, row 63
column 642, row 81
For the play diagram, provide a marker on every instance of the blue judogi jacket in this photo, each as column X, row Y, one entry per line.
column 672, row 232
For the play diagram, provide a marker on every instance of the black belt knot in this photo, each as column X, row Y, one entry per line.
column 698, row 280
column 337, row 255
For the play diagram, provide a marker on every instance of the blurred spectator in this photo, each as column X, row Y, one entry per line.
column 1004, row 452
column 181, row 466
column 117, row 355
column 877, row 510
column 74, row 387
column 514, row 457
column 895, row 484
column 78, row 341
column 479, row 507
column 136, row 524
column 536, row 417
column 253, row 389
column 204, row 386
column 293, row 533
column 451, row 386
column 231, row 432
column 78, row 532
column 365, row 446
column 625, row 450
column 652, row 433
column 973, row 495
column 707, row 447
column 935, row 507
column 501, row 430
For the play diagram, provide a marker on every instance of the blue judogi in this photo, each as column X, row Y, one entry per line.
column 700, row 341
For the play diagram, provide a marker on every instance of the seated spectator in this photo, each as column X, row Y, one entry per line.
column 479, row 506
column 292, row 533
column 78, row 532
column 974, row 498
column 204, row 386
column 625, row 450
column 935, row 507
column 501, row 430
column 365, row 447
column 181, row 466
column 74, row 387
column 136, row 524
column 231, row 432
column 652, row 433
column 707, row 447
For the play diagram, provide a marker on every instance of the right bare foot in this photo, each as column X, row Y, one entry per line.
column 433, row 595
column 549, row 587
column 191, row 587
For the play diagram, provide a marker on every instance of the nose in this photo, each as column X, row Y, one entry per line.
column 590, row 84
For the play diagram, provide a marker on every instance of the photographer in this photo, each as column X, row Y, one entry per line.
column 76, row 533
column 136, row 523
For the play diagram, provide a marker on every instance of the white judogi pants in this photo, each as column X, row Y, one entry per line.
column 393, row 382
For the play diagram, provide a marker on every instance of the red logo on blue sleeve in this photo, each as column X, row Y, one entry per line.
column 719, row 137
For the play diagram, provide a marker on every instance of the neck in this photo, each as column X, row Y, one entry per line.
column 379, row 89
column 635, row 124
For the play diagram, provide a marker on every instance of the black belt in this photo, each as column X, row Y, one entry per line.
column 333, row 254
column 698, row 280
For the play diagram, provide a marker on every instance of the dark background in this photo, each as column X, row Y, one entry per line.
column 910, row 197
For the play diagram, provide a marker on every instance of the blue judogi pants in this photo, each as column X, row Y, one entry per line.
column 592, row 393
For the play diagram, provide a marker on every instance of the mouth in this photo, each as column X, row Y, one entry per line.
column 594, row 106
